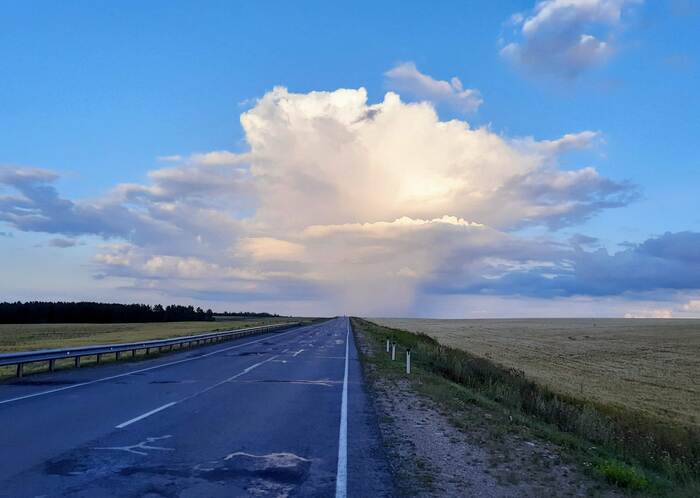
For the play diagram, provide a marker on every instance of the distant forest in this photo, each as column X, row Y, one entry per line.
column 88, row 312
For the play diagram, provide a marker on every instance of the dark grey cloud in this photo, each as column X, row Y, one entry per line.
column 62, row 243
column 147, row 216
column 683, row 247
column 584, row 193
column 580, row 239
column 667, row 262
column 39, row 208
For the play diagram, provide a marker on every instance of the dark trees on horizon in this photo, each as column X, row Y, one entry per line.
column 89, row 312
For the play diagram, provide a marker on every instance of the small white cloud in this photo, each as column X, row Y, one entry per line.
column 693, row 305
column 557, row 36
column 652, row 313
column 171, row 159
column 407, row 79
column 384, row 228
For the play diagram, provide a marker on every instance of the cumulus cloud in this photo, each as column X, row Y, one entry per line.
column 336, row 157
column 360, row 206
column 565, row 37
column 406, row 79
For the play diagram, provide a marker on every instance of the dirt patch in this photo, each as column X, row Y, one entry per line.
column 434, row 457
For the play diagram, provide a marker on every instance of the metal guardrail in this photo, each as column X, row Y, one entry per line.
column 51, row 355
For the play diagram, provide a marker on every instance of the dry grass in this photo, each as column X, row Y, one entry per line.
column 25, row 337
column 626, row 447
column 650, row 366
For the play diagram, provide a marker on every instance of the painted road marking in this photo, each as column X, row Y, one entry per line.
column 205, row 390
column 147, row 414
column 142, row 446
column 297, row 353
column 118, row 376
column 341, row 480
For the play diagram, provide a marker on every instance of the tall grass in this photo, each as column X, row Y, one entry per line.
column 671, row 450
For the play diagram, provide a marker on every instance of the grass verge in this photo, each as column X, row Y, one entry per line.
column 635, row 453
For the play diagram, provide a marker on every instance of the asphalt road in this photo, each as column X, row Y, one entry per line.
column 280, row 414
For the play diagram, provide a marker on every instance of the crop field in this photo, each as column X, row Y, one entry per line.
column 651, row 366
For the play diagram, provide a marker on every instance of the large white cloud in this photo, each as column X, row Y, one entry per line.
column 339, row 201
column 338, row 159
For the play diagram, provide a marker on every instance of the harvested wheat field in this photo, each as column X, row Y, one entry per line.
column 648, row 365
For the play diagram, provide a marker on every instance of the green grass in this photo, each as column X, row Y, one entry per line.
column 628, row 449
column 623, row 475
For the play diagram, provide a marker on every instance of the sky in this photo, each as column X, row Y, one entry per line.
column 441, row 159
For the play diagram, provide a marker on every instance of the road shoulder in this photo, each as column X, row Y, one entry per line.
column 434, row 453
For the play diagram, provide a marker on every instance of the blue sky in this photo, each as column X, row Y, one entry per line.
column 98, row 92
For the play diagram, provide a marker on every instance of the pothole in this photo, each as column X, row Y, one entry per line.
column 286, row 468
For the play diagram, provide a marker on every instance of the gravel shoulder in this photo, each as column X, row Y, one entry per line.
column 435, row 454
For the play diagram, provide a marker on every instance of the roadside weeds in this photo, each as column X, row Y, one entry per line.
column 467, row 443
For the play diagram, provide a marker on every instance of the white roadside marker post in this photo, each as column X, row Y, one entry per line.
column 408, row 361
column 387, row 344
column 393, row 351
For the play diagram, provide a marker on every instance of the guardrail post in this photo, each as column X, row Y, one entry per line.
column 117, row 355
column 20, row 369
column 99, row 358
column 52, row 365
column 133, row 353
column 77, row 362
column 408, row 360
column 393, row 351
column 148, row 351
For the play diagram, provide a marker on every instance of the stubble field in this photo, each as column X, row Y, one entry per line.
column 651, row 366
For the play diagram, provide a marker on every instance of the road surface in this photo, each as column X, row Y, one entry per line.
column 280, row 414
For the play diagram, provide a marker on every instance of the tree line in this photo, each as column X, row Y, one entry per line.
column 89, row 312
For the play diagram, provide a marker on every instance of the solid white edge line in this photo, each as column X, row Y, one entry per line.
column 147, row 414
column 126, row 374
column 341, row 481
